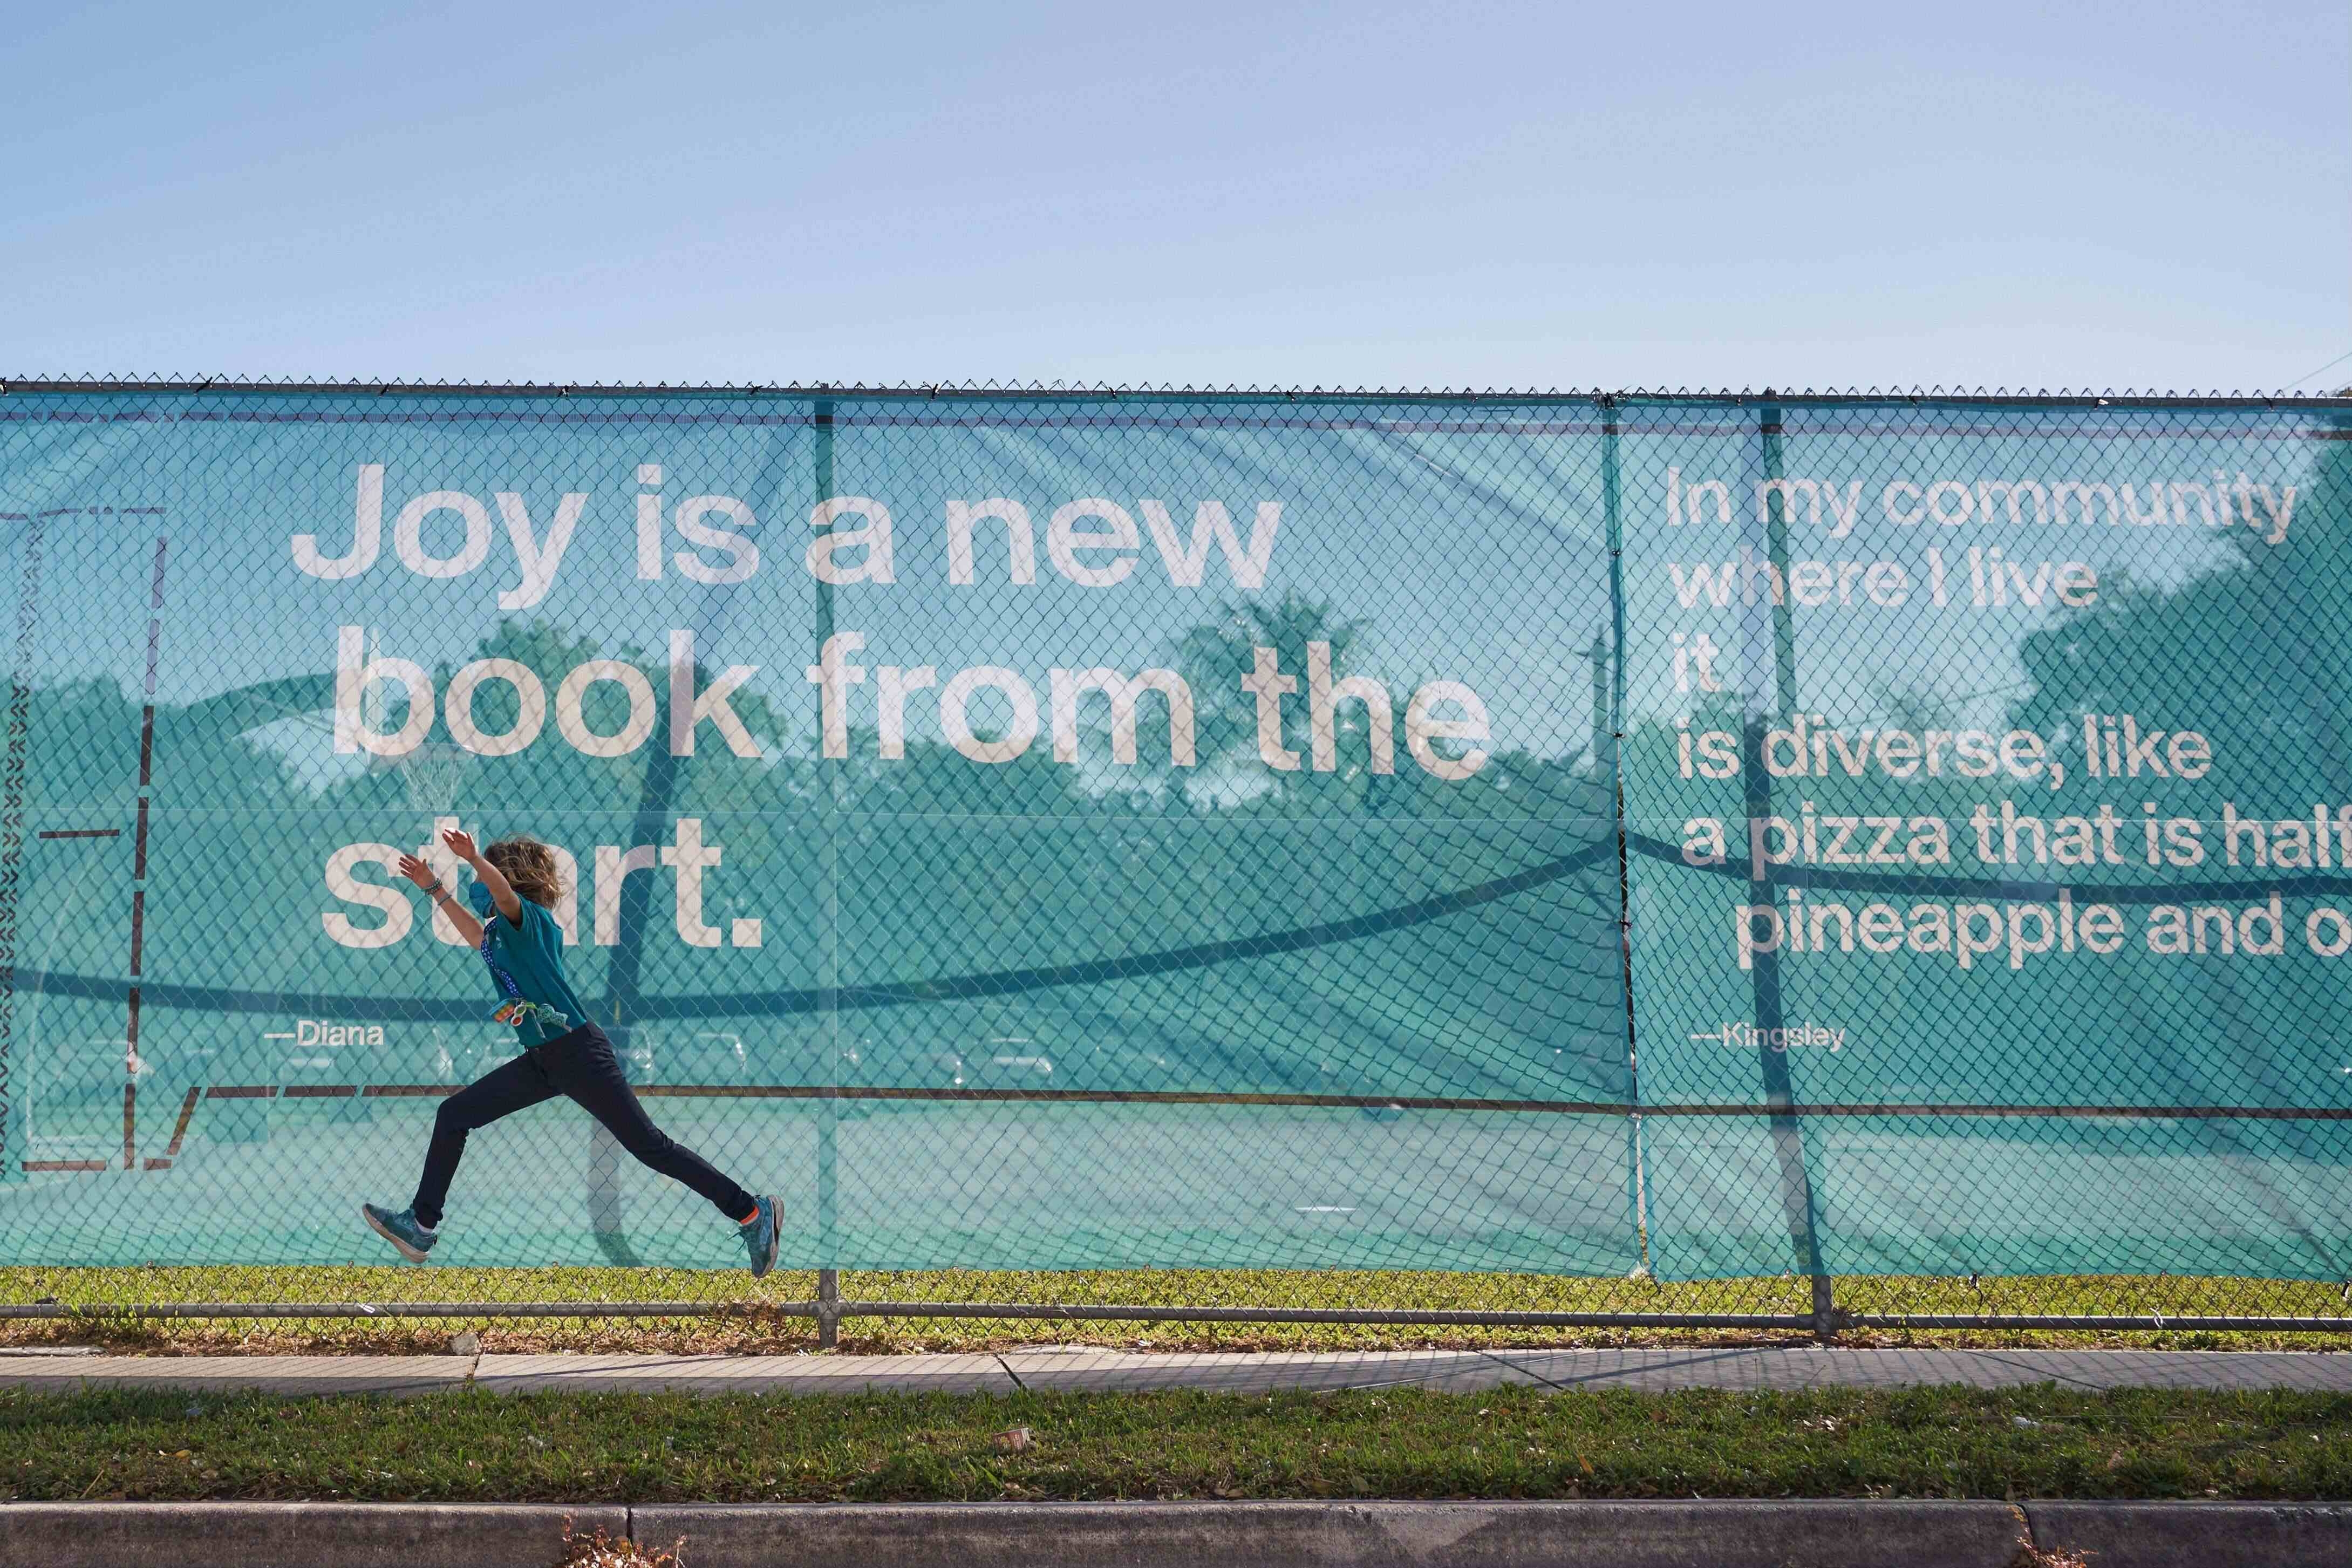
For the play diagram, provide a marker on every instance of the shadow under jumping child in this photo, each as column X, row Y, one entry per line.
column 516, row 883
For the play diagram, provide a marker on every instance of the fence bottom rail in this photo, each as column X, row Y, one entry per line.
column 821, row 1310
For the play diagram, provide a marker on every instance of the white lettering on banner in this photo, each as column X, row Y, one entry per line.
column 320, row 1032
column 574, row 726
column 1842, row 516
column 824, row 558
column 360, row 669
column 1784, row 1038
column 1020, row 542
column 742, row 555
column 1994, row 581
column 1186, row 562
column 1323, row 699
column 833, row 674
column 1266, row 682
column 408, row 534
column 891, row 728
column 1689, row 501
column 649, row 522
column 1421, row 727
column 357, row 670
column 2113, row 745
column 367, row 534
column 382, row 897
column 538, row 558
column 1964, row 933
column 613, row 865
column 2009, row 501
column 1069, row 685
column 460, row 703
column 1814, row 838
column 687, row 517
column 719, row 549
column 1212, row 520
column 955, row 722
column 688, row 855
column 687, row 710
column 1064, row 540
column 1695, row 656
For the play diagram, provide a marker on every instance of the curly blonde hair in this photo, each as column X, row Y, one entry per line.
column 529, row 867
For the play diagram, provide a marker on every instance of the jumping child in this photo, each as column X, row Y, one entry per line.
column 515, row 884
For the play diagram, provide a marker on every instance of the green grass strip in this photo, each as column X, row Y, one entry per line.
column 749, row 1331
column 472, row 1446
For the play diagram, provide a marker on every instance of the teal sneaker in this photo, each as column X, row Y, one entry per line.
column 760, row 1235
column 402, row 1230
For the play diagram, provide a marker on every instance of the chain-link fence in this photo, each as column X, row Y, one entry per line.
column 1443, row 865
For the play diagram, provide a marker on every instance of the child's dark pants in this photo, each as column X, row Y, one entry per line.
column 580, row 1066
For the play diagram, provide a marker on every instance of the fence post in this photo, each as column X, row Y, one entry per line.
column 607, row 1220
column 828, row 1106
column 16, row 1125
column 1769, row 640
column 828, row 1309
column 1611, row 702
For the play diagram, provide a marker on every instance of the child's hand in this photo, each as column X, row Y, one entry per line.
column 418, row 872
column 460, row 843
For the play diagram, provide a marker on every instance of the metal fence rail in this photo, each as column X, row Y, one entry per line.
column 828, row 1314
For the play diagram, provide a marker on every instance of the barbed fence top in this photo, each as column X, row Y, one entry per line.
column 1051, row 390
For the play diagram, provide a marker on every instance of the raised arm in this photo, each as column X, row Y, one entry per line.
column 502, row 893
column 425, row 877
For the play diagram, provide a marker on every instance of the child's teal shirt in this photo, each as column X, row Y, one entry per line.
column 525, row 962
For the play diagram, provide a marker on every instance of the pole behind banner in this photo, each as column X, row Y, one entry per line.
column 1612, row 515
column 1770, row 634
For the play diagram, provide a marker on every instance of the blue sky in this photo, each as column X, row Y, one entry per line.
column 2150, row 194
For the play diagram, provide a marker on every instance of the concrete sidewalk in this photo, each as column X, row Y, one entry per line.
column 1086, row 1368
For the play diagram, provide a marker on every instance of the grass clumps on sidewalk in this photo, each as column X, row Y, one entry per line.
column 472, row 1446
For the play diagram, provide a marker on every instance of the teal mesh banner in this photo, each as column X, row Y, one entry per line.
column 1070, row 831
column 1019, row 833
column 1989, row 811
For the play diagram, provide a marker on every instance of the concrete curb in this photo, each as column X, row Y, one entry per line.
column 2281, row 1534
column 1827, row 1535
column 293, row 1534
column 1729, row 1534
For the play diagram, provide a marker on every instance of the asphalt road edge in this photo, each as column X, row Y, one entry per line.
column 1726, row 1533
